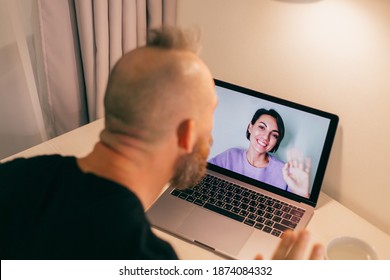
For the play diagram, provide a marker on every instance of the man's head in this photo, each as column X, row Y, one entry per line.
column 160, row 90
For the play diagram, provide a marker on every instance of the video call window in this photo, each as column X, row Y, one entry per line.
column 303, row 137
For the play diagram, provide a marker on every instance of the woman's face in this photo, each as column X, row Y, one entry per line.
column 264, row 134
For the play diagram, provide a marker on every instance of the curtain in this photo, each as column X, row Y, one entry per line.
column 21, row 120
column 58, row 65
column 55, row 57
column 107, row 30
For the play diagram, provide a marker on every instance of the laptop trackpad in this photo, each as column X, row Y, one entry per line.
column 223, row 234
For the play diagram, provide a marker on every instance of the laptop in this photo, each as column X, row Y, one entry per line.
column 232, row 213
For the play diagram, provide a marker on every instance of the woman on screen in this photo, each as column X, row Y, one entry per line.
column 265, row 132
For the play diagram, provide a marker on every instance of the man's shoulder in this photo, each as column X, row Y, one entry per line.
column 35, row 165
column 132, row 237
column 41, row 159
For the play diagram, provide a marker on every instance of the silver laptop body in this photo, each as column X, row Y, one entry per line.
column 222, row 226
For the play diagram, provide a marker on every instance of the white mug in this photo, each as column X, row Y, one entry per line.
column 349, row 248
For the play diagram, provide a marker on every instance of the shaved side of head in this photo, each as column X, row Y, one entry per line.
column 153, row 88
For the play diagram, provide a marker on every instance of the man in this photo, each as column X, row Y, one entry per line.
column 159, row 108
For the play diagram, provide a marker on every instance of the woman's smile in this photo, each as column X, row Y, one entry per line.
column 262, row 143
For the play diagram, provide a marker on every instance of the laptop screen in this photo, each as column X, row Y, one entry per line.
column 266, row 141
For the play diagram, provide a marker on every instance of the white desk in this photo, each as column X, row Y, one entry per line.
column 331, row 219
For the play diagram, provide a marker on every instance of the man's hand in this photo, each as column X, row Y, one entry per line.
column 293, row 245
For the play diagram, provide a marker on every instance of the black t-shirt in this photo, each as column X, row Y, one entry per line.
column 50, row 209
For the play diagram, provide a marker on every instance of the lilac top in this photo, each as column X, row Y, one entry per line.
column 235, row 160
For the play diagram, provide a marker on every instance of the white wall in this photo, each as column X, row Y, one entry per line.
column 329, row 54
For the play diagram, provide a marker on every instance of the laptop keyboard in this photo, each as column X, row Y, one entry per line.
column 243, row 205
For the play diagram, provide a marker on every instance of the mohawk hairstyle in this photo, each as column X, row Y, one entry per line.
column 174, row 38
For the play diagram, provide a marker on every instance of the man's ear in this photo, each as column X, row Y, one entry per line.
column 186, row 135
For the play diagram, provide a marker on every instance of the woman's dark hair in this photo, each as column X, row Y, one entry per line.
column 279, row 122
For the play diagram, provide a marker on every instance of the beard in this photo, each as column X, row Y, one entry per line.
column 192, row 167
